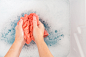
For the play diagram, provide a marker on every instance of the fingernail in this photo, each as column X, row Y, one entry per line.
column 20, row 19
column 34, row 18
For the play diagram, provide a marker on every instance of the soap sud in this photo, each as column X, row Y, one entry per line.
column 59, row 21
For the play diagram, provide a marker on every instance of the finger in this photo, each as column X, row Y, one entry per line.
column 20, row 26
column 16, row 27
column 34, row 22
column 20, row 23
column 40, row 25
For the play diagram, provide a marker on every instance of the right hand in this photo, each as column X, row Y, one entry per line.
column 38, row 31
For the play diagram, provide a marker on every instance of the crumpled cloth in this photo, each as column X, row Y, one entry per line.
column 28, row 27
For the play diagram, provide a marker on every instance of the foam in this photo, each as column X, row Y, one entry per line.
column 53, row 14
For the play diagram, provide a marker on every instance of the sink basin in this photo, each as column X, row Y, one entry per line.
column 53, row 14
column 78, row 28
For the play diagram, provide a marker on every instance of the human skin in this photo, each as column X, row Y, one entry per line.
column 19, row 42
column 38, row 32
column 16, row 47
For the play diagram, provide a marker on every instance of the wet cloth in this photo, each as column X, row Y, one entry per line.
column 28, row 27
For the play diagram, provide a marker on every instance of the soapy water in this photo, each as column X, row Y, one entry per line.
column 8, row 34
column 53, row 14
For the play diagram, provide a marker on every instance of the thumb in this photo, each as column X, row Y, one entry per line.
column 34, row 22
column 20, row 23
column 40, row 25
column 20, row 26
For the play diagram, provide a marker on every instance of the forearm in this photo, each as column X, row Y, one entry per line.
column 15, row 49
column 43, row 49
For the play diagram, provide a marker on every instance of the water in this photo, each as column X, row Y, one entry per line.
column 8, row 34
column 54, row 16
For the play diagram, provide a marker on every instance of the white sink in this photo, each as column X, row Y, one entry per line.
column 78, row 28
column 54, row 13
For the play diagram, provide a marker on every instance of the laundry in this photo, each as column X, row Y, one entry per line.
column 28, row 27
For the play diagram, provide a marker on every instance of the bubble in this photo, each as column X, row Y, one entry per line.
column 56, row 31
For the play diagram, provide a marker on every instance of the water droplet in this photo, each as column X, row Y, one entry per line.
column 55, row 31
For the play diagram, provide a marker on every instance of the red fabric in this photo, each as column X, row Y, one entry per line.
column 28, row 27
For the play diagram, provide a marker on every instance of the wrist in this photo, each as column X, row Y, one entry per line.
column 39, row 40
column 21, row 42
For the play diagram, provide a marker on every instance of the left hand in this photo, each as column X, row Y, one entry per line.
column 19, row 36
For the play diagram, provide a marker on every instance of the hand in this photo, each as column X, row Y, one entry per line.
column 38, row 31
column 19, row 37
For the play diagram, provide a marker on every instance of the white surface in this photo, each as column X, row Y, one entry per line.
column 77, row 19
column 78, row 28
column 56, row 13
